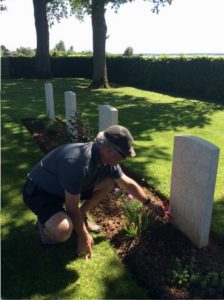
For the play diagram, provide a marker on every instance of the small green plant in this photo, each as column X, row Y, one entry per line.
column 131, row 211
column 131, row 230
column 147, row 220
column 136, row 218
column 206, row 285
column 180, row 274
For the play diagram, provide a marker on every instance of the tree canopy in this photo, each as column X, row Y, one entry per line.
column 56, row 10
column 2, row 6
column 82, row 7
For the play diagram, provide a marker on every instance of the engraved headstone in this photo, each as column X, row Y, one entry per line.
column 108, row 116
column 194, row 170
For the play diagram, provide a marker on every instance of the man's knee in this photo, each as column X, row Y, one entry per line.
column 59, row 227
column 64, row 230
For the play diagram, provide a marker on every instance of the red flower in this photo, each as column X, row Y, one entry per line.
column 167, row 211
column 166, row 207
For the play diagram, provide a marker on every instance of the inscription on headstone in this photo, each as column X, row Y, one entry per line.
column 193, row 180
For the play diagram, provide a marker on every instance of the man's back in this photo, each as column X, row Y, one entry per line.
column 72, row 167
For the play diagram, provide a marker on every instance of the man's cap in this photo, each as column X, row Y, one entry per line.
column 121, row 139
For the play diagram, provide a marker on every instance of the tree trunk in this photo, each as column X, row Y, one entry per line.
column 42, row 54
column 99, row 44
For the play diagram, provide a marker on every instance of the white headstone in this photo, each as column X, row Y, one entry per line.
column 49, row 101
column 108, row 116
column 194, row 170
column 70, row 107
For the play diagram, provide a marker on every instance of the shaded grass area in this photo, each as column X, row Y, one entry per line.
column 32, row 271
column 153, row 119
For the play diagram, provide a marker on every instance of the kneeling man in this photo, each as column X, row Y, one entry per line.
column 72, row 179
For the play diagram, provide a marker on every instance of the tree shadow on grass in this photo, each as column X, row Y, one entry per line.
column 140, row 167
column 153, row 112
column 157, row 112
column 18, row 157
column 29, row 268
column 124, row 286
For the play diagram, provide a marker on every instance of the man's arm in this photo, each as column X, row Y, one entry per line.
column 132, row 187
column 85, row 241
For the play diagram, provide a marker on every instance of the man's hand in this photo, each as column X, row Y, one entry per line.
column 132, row 187
column 85, row 243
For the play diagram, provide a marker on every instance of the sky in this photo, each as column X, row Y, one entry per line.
column 186, row 26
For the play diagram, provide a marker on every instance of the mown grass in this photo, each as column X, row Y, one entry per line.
column 154, row 119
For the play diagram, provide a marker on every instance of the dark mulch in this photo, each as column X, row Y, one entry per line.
column 151, row 256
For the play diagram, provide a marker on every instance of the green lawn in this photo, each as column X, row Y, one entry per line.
column 154, row 119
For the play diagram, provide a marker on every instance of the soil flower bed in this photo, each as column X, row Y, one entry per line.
column 161, row 259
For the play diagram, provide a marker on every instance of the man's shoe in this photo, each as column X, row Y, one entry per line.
column 44, row 239
column 91, row 227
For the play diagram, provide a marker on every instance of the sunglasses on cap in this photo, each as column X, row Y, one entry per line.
column 121, row 154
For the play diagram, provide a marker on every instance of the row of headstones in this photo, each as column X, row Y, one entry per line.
column 108, row 115
column 193, row 177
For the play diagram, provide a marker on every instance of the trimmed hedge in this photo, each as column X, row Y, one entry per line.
column 78, row 66
column 198, row 77
column 24, row 67
column 18, row 67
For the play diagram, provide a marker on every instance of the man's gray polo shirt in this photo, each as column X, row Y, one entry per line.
column 75, row 168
